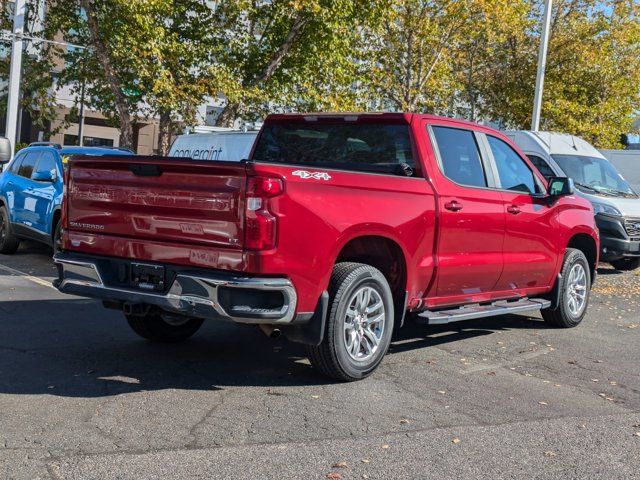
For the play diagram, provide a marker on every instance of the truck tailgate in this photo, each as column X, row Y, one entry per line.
column 166, row 200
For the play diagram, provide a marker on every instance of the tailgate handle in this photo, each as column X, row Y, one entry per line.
column 143, row 170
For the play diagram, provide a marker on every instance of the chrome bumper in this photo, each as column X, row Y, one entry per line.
column 191, row 294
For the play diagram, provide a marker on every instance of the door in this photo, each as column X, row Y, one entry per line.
column 471, row 217
column 10, row 185
column 22, row 208
column 531, row 230
column 40, row 194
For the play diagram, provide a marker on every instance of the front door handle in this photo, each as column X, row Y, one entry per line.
column 513, row 209
column 454, row 206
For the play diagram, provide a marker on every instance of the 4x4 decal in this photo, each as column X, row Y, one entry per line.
column 315, row 175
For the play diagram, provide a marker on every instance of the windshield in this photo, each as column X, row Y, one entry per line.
column 594, row 174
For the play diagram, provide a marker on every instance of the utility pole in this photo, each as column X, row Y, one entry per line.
column 542, row 62
column 14, row 73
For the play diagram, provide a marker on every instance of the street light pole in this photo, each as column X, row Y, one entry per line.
column 14, row 73
column 542, row 61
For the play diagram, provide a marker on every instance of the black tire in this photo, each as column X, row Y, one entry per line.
column 626, row 264
column 331, row 357
column 57, row 237
column 155, row 328
column 562, row 316
column 9, row 243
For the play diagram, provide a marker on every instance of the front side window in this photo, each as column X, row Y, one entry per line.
column 460, row 156
column 369, row 147
column 28, row 164
column 594, row 174
column 542, row 166
column 513, row 172
column 15, row 165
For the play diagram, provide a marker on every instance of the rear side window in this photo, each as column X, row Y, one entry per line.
column 460, row 156
column 542, row 166
column 28, row 164
column 513, row 171
column 47, row 163
column 368, row 147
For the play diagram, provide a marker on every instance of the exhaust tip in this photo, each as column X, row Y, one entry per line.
column 270, row 331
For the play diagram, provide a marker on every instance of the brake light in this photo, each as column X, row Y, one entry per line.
column 260, row 223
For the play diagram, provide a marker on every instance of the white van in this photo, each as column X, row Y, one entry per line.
column 616, row 204
column 226, row 146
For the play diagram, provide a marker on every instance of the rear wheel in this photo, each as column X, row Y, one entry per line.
column 57, row 237
column 8, row 242
column 575, row 288
column 626, row 264
column 360, row 323
column 158, row 327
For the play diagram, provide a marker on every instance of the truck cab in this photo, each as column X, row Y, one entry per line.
column 615, row 202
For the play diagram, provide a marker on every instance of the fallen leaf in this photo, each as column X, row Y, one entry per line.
column 595, row 380
column 613, row 383
column 557, row 385
column 385, row 446
column 315, row 396
column 456, row 441
column 365, row 460
column 603, row 395
column 334, row 475
column 365, row 476
column 549, row 453
column 404, row 421
column 543, row 403
column 491, row 373
column 442, row 392
column 572, row 362
column 637, row 434
column 341, row 465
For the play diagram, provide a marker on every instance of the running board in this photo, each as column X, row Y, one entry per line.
column 469, row 312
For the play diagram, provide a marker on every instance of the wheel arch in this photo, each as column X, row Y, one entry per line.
column 587, row 245
column 385, row 254
column 57, row 214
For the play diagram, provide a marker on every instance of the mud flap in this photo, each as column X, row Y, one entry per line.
column 311, row 332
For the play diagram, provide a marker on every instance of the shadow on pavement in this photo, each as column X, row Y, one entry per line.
column 76, row 348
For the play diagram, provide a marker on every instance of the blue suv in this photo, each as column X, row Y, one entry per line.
column 31, row 193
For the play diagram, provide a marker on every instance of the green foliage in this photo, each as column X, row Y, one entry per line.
column 470, row 58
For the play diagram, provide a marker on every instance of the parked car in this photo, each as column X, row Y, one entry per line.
column 229, row 146
column 31, row 193
column 336, row 227
column 616, row 204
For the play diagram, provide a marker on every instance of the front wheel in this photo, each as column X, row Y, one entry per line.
column 163, row 328
column 8, row 242
column 360, row 323
column 575, row 288
column 626, row 264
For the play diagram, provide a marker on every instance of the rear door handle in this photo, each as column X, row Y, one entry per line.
column 513, row 209
column 454, row 206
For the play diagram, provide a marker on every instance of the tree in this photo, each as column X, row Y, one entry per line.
column 37, row 61
column 592, row 75
column 289, row 54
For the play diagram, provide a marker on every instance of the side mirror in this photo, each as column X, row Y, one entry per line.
column 5, row 150
column 560, row 186
column 45, row 176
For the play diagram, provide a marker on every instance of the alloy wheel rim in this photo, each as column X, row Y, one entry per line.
column 2, row 227
column 364, row 324
column 577, row 290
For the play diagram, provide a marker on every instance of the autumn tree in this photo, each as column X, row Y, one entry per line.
column 592, row 74
column 290, row 54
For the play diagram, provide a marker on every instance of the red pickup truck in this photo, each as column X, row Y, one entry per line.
column 334, row 228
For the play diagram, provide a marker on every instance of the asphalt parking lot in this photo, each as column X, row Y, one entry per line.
column 81, row 397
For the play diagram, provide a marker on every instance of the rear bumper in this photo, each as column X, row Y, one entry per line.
column 201, row 294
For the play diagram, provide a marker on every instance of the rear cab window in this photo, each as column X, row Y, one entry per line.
column 381, row 147
column 460, row 156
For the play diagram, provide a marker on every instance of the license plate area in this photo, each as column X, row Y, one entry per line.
column 148, row 277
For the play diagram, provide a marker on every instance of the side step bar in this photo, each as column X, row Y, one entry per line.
column 469, row 312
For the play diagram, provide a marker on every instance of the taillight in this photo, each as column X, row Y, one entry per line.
column 260, row 225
